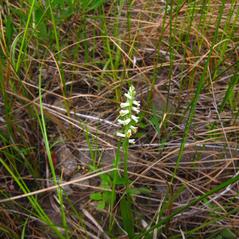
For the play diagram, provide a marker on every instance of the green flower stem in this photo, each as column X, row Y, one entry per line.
column 115, row 176
column 125, row 150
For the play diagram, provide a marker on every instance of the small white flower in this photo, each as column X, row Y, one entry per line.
column 120, row 134
column 135, row 102
column 132, row 90
column 132, row 141
column 134, row 129
column 128, row 133
column 124, row 122
column 135, row 109
column 124, row 112
column 120, row 121
column 128, row 96
column 135, row 118
column 124, row 105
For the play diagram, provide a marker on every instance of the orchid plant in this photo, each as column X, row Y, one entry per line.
column 128, row 120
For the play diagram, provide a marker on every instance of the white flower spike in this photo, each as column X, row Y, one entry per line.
column 128, row 115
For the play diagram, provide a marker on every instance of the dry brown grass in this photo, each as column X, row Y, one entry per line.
column 165, row 61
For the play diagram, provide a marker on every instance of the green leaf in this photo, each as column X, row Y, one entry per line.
column 92, row 167
column 107, row 197
column 105, row 181
column 101, row 205
column 9, row 28
column 41, row 26
column 120, row 181
column 127, row 216
column 96, row 196
column 227, row 234
column 67, row 13
column 137, row 191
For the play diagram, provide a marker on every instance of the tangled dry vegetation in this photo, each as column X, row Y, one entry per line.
column 183, row 62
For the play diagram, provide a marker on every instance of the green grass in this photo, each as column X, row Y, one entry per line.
column 64, row 69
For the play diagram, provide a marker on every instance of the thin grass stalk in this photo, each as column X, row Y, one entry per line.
column 193, row 202
column 24, row 36
column 50, row 160
column 197, row 94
